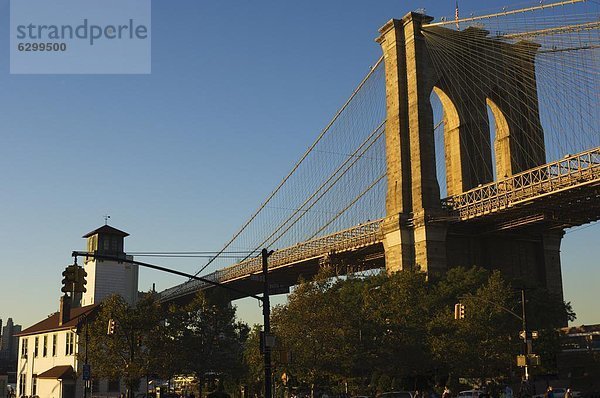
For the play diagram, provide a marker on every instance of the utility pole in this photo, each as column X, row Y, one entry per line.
column 267, row 324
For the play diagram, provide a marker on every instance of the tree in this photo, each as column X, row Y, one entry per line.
column 133, row 351
column 484, row 343
column 212, row 337
column 343, row 330
column 254, row 362
column 397, row 305
column 401, row 327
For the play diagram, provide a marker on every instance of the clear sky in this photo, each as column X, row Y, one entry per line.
column 180, row 158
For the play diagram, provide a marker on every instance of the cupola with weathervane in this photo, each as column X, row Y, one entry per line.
column 106, row 240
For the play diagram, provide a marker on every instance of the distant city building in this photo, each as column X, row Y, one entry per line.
column 107, row 277
column 579, row 357
column 9, row 342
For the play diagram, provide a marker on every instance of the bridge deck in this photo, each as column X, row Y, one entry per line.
column 571, row 172
column 578, row 175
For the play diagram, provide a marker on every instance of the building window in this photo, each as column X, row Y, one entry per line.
column 45, row 347
column 54, row 342
column 22, row 384
column 24, row 348
column 70, row 344
column 34, row 385
column 36, row 346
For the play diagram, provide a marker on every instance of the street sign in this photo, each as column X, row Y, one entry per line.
column 87, row 372
column 267, row 341
column 534, row 360
column 521, row 360
column 277, row 288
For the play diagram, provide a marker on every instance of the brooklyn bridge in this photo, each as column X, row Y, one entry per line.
column 472, row 141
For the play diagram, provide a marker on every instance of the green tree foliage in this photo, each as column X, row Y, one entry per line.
column 135, row 349
column 211, row 335
column 402, row 327
column 484, row 343
column 254, row 361
column 201, row 337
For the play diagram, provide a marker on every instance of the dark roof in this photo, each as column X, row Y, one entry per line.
column 58, row 372
column 106, row 229
column 51, row 323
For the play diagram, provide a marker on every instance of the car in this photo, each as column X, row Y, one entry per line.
column 558, row 393
column 396, row 394
column 470, row 394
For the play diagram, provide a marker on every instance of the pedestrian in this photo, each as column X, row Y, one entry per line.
column 446, row 393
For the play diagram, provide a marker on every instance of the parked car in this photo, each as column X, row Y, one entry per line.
column 470, row 394
column 396, row 394
column 558, row 393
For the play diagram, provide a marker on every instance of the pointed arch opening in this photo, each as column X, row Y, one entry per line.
column 499, row 139
column 446, row 126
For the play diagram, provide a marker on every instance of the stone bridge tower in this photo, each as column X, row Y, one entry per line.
column 417, row 231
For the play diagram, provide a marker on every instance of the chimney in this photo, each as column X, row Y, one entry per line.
column 65, row 310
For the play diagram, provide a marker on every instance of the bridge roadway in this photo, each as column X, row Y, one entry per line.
column 561, row 194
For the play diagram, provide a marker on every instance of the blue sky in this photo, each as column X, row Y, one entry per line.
column 180, row 158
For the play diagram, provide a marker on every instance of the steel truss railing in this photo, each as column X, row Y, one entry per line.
column 571, row 171
column 352, row 238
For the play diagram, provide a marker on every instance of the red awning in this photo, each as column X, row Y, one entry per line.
column 58, row 372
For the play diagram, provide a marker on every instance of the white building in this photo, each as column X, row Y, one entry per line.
column 107, row 277
column 47, row 364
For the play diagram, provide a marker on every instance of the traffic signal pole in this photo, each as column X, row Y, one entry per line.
column 264, row 299
column 459, row 313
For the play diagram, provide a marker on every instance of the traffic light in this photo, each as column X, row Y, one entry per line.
column 111, row 327
column 80, row 280
column 69, row 278
column 459, row 311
